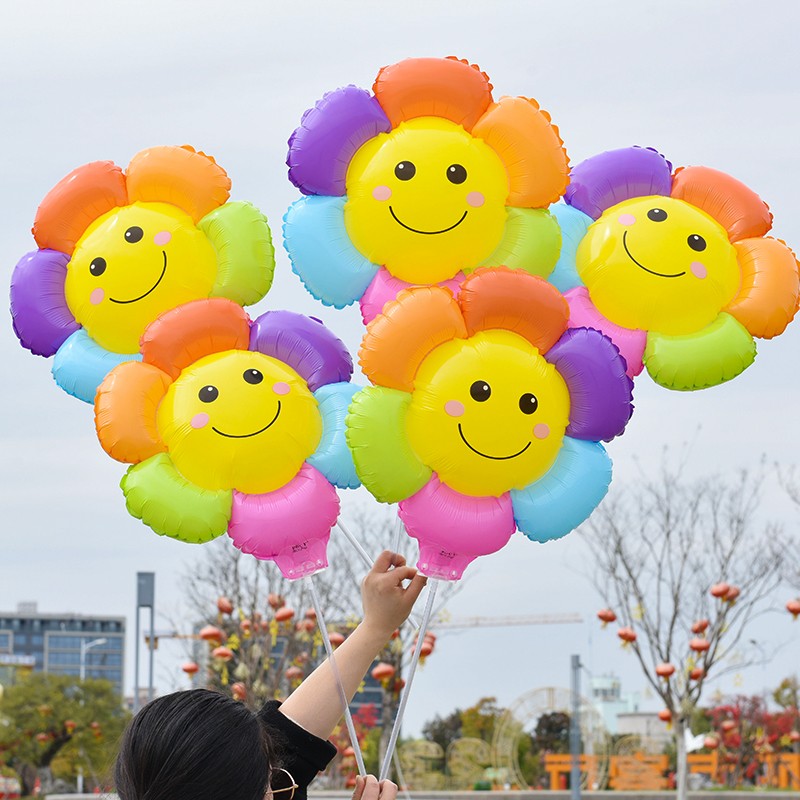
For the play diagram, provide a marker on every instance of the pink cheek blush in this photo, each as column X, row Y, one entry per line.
column 162, row 238
column 280, row 388
column 475, row 199
column 698, row 270
column 626, row 219
column 97, row 296
column 541, row 431
column 453, row 408
column 200, row 421
column 381, row 193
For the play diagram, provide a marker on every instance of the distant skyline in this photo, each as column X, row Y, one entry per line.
column 710, row 83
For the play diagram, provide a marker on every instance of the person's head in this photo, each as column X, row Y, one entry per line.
column 194, row 745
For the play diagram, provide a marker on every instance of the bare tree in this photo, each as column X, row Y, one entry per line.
column 660, row 548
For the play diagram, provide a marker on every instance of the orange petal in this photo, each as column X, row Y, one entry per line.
column 433, row 87
column 530, row 147
column 75, row 202
column 398, row 340
column 516, row 301
column 768, row 298
column 125, row 409
column 179, row 175
column 735, row 206
column 185, row 334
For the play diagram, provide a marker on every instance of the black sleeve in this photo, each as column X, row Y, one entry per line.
column 298, row 751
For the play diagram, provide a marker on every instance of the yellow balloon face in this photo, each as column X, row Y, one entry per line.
column 426, row 200
column 131, row 265
column 658, row 264
column 239, row 420
column 488, row 414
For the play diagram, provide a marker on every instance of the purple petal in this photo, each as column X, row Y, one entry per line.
column 329, row 135
column 599, row 389
column 305, row 344
column 42, row 320
column 609, row 178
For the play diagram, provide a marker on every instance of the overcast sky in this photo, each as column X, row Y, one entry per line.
column 711, row 83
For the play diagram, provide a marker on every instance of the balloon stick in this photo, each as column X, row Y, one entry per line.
column 398, row 529
column 348, row 717
column 433, row 584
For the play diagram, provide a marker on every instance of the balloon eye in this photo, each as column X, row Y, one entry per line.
column 696, row 242
column 657, row 214
column 456, row 173
column 134, row 234
column 208, row 394
column 480, row 391
column 528, row 403
column 405, row 171
column 253, row 376
column 98, row 267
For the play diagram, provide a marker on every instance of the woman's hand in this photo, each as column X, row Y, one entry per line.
column 368, row 788
column 387, row 603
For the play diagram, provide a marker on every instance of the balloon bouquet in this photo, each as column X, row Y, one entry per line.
column 504, row 328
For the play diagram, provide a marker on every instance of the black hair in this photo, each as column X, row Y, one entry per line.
column 194, row 745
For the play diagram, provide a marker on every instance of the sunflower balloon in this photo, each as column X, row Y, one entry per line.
column 234, row 425
column 675, row 267
column 421, row 183
column 117, row 248
column 486, row 415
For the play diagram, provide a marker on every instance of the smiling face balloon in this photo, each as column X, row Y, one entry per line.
column 486, row 416
column 421, row 183
column 118, row 249
column 674, row 268
column 236, row 426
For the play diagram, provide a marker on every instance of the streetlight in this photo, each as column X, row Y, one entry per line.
column 88, row 646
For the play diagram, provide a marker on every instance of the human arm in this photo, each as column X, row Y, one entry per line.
column 316, row 704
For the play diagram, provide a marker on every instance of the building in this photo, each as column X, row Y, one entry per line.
column 65, row 644
column 608, row 699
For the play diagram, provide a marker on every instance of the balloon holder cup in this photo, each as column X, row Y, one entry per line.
column 435, row 562
column 302, row 559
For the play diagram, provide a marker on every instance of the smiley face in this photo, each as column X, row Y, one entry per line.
column 660, row 264
column 131, row 265
column 426, row 200
column 239, row 420
column 488, row 414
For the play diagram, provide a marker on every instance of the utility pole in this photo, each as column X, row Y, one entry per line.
column 575, row 730
column 145, row 598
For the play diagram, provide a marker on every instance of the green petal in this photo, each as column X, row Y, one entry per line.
column 245, row 255
column 158, row 495
column 376, row 435
column 713, row 355
column 532, row 241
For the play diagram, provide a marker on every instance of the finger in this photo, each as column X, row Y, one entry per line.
column 415, row 588
column 359, row 788
column 388, row 790
column 398, row 560
column 371, row 788
column 400, row 574
column 383, row 561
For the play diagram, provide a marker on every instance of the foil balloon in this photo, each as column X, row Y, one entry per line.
column 117, row 248
column 675, row 267
column 485, row 416
column 420, row 183
column 236, row 426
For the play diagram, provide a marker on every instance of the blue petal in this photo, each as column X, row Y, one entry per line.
column 81, row 364
column 567, row 494
column 573, row 224
column 322, row 255
column 332, row 458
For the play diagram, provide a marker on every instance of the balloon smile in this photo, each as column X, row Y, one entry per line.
column 426, row 233
column 247, row 435
column 151, row 289
column 642, row 266
column 485, row 455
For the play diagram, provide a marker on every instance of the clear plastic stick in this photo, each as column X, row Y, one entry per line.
column 348, row 717
column 433, row 584
column 398, row 530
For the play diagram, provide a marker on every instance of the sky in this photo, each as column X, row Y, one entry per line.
column 709, row 83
